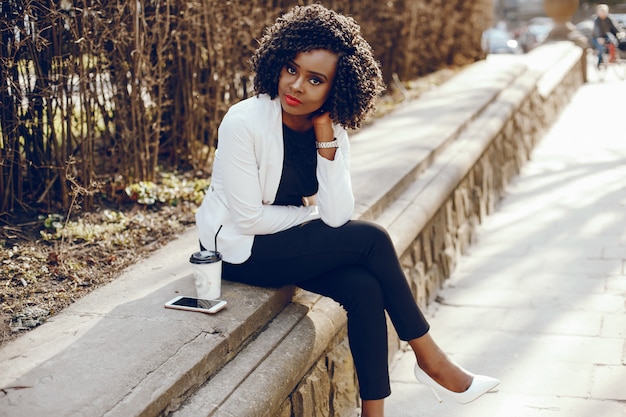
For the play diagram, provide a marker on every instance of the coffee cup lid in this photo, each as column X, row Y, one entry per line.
column 205, row 257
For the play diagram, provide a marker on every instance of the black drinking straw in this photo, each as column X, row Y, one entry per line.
column 216, row 233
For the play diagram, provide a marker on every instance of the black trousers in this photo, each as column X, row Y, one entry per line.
column 356, row 265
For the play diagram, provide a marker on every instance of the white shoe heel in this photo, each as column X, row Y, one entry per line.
column 435, row 394
column 480, row 385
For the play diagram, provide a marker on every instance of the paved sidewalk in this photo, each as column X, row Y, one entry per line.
column 540, row 302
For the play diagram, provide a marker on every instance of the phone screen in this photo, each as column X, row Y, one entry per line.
column 196, row 303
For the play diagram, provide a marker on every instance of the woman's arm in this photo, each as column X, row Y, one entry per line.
column 243, row 183
column 334, row 198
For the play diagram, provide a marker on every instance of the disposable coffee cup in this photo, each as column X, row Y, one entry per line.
column 207, row 272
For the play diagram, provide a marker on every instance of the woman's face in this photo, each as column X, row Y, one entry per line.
column 304, row 84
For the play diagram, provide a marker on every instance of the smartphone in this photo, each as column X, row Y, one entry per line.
column 196, row 304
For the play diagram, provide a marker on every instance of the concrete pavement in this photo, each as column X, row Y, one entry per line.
column 540, row 300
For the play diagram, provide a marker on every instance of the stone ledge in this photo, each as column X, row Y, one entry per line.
column 413, row 209
column 410, row 139
column 118, row 352
column 277, row 360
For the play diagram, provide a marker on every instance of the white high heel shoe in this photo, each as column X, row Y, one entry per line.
column 480, row 385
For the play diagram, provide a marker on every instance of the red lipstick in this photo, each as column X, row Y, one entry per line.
column 292, row 101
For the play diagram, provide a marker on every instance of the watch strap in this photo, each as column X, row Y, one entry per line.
column 325, row 145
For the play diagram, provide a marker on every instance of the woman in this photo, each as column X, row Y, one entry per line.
column 282, row 195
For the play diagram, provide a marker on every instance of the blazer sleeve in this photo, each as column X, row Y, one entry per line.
column 242, row 182
column 335, row 198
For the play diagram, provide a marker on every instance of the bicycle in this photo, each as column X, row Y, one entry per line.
column 613, row 58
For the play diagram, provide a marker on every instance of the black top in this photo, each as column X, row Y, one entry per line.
column 298, row 179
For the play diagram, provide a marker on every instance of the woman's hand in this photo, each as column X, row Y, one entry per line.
column 323, row 126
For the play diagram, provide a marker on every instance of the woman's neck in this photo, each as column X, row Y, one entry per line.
column 297, row 123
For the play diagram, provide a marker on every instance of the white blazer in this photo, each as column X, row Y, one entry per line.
column 246, row 173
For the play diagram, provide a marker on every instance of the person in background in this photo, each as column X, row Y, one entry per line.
column 603, row 27
column 281, row 193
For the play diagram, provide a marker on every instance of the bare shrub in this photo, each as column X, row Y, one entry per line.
column 121, row 87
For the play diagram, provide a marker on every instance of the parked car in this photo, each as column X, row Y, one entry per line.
column 499, row 41
column 535, row 32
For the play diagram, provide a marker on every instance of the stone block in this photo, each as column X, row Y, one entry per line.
column 427, row 246
column 285, row 409
column 311, row 398
column 464, row 238
column 343, row 382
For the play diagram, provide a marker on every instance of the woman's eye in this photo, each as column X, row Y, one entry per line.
column 315, row 81
column 290, row 70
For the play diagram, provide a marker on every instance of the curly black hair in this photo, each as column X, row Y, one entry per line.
column 358, row 81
